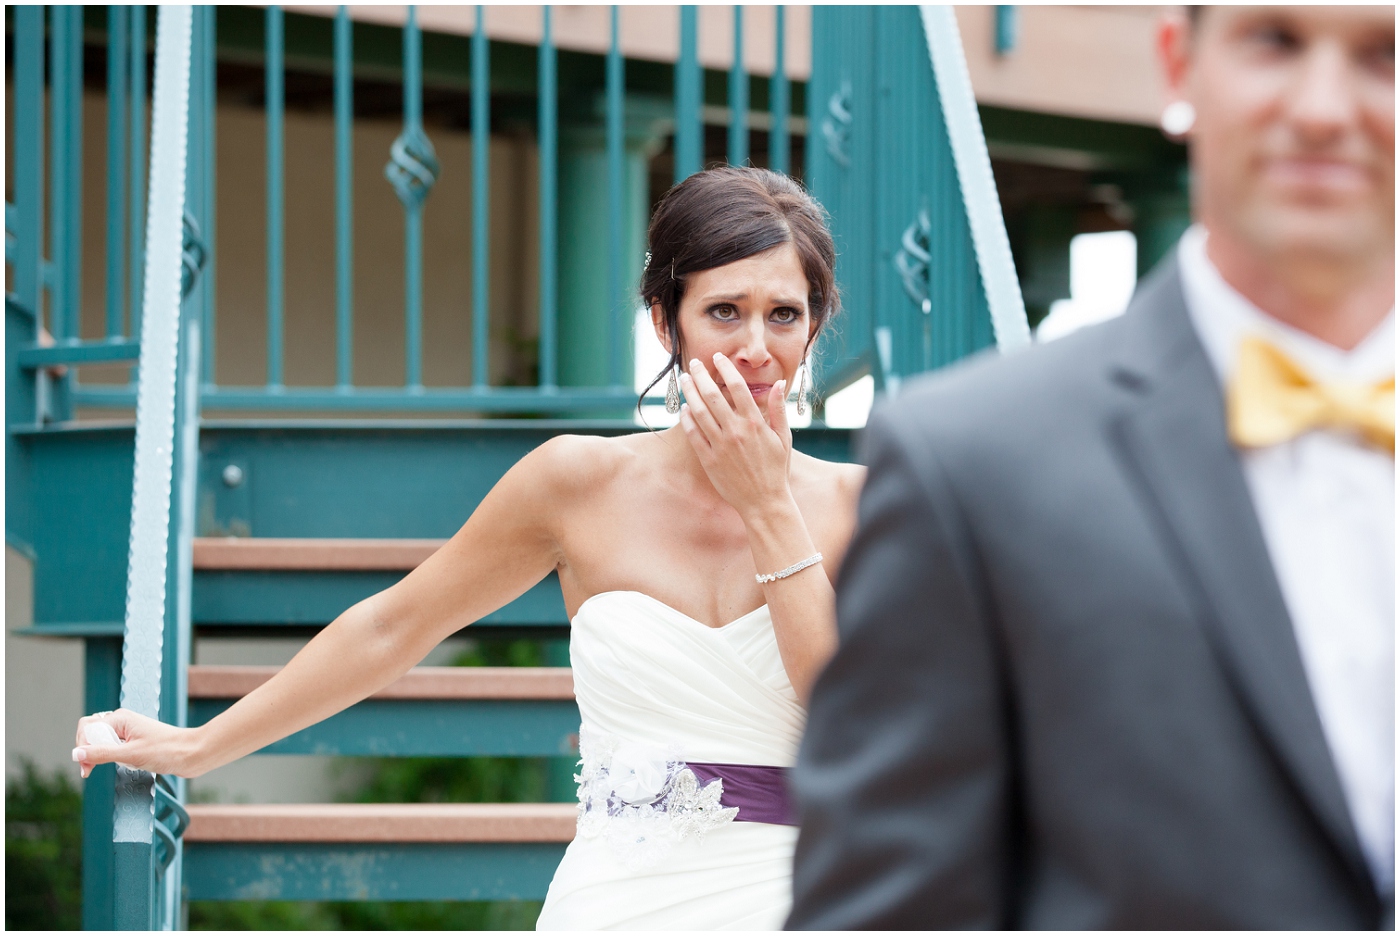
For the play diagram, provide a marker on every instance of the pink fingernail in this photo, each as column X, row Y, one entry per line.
column 694, row 362
column 79, row 754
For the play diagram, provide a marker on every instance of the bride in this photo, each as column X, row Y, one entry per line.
column 697, row 565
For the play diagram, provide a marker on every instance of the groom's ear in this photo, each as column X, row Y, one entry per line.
column 658, row 323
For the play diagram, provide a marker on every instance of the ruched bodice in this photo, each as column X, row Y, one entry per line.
column 649, row 674
column 651, row 679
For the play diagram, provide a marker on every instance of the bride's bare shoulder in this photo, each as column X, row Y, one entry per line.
column 842, row 480
column 579, row 462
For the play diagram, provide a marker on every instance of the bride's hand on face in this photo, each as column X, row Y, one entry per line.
column 144, row 743
column 744, row 451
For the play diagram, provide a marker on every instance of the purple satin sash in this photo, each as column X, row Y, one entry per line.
column 761, row 793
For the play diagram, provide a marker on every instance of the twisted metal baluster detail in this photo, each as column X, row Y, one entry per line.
column 912, row 260
column 193, row 255
column 836, row 127
column 413, row 167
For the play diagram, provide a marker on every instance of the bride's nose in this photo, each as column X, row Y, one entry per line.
column 754, row 350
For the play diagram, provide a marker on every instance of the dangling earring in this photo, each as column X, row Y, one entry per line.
column 1178, row 119
column 802, row 389
column 673, row 394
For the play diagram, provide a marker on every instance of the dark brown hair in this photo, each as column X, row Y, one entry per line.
column 722, row 215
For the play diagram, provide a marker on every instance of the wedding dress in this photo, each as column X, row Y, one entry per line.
column 657, row 847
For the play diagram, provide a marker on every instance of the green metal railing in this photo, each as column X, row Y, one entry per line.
column 412, row 170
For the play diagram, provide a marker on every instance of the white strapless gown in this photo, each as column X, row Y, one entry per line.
column 650, row 679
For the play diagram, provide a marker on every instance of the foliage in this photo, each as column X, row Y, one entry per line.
column 43, row 852
column 370, row 915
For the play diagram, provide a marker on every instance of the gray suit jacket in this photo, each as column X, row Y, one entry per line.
column 1068, row 693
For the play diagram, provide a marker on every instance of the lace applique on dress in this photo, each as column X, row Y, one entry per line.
column 642, row 800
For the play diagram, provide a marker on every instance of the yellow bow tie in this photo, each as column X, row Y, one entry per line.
column 1271, row 400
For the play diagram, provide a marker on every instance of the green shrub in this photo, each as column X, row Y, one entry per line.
column 43, row 852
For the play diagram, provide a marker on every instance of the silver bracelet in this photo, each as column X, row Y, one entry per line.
column 790, row 570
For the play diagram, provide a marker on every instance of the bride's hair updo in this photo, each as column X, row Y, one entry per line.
column 722, row 215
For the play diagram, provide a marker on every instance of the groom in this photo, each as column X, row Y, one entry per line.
column 1117, row 630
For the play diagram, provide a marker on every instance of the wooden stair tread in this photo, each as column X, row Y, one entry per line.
column 311, row 555
column 544, row 683
column 382, row 822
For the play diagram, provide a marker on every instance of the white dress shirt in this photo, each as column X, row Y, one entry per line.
column 1326, row 503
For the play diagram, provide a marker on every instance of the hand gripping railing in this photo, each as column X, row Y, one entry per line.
column 148, row 819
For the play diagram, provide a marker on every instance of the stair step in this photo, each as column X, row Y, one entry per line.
column 544, row 683
column 311, row 555
column 382, row 822
column 430, row 711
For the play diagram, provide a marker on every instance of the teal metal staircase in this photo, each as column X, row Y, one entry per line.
column 273, row 526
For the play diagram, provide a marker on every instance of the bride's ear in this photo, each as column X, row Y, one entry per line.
column 658, row 323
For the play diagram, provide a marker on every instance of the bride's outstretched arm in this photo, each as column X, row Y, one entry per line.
column 503, row 549
column 746, row 455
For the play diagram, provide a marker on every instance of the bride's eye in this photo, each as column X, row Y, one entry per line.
column 725, row 313
column 785, row 315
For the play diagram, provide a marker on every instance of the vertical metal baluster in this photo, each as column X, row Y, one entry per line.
column 617, row 196
column 481, row 166
column 344, row 180
column 549, row 199
column 413, row 242
column 116, row 170
column 689, row 131
column 412, row 170
column 738, row 97
column 779, row 144
column 58, row 174
column 73, row 221
column 208, row 279
column 136, row 163
column 273, row 107
column 29, row 157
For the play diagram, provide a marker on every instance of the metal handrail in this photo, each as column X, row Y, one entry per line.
column 147, row 869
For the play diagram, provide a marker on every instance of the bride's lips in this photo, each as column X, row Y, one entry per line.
column 758, row 389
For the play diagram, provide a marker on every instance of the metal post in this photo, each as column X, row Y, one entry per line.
column 102, row 666
column 137, row 900
column 29, row 158
column 207, row 42
column 116, row 170
column 413, row 244
column 617, row 196
column 136, row 162
column 73, row 220
column 60, row 187
column 689, row 130
column 549, row 200
column 412, row 170
column 738, row 97
column 344, row 182
column 481, row 166
column 779, row 143
column 273, row 38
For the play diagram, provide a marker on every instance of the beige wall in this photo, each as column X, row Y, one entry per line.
column 1086, row 61
column 1082, row 61
column 43, row 681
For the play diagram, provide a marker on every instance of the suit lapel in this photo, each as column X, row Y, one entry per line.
column 1174, row 439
